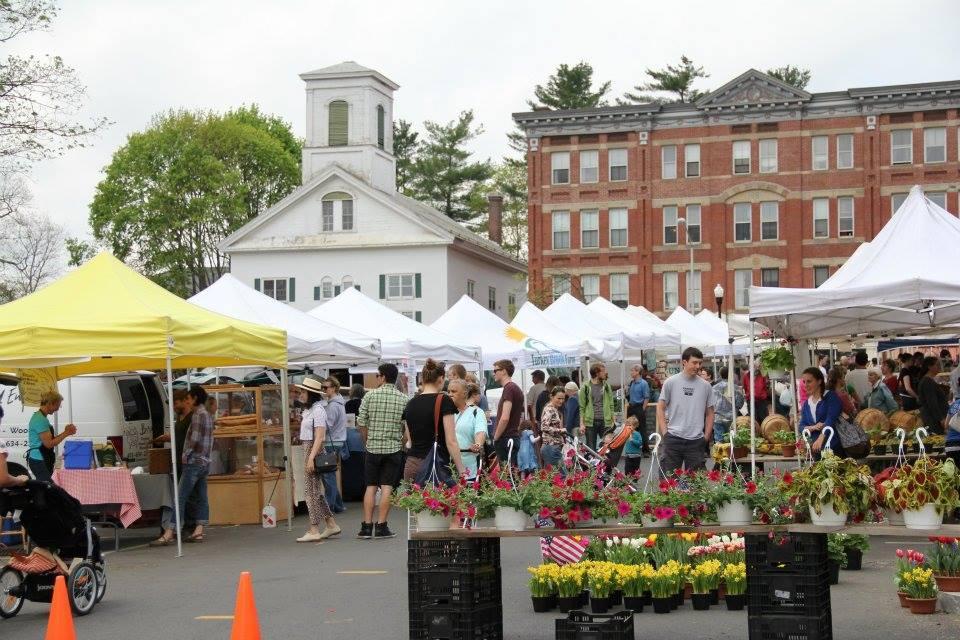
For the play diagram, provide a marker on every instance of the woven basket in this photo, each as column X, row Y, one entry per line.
column 773, row 423
column 871, row 419
column 906, row 420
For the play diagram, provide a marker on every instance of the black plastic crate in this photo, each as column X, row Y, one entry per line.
column 796, row 552
column 463, row 587
column 441, row 554
column 580, row 625
column 793, row 593
column 790, row 627
column 436, row 622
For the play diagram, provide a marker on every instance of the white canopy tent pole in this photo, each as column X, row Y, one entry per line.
column 173, row 454
column 287, row 443
column 753, row 410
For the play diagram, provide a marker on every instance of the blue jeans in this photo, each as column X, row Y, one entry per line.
column 330, row 490
column 551, row 455
column 720, row 431
column 193, row 482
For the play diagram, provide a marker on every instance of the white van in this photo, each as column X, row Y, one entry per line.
column 129, row 409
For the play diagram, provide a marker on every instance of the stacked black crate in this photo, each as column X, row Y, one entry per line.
column 788, row 587
column 580, row 625
column 455, row 589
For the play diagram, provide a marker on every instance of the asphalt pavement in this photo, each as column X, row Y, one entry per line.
column 357, row 589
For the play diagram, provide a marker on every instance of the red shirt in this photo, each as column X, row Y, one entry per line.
column 760, row 386
column 893, row 384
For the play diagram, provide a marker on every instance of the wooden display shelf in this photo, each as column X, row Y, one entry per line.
column 766, row 457
column 240, row 499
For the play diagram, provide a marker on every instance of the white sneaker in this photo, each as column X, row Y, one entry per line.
column 310, row 537
column 328, row 532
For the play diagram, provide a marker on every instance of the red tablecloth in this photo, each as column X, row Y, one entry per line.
column 102, row 486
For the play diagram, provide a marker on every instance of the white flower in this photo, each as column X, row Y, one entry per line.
column 734, row 535
column 609, row 543
column 636, row 543
column 725, row 539
column 616, row 540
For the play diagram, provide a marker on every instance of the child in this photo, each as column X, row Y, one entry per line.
column 633, row 450
column 527, row 455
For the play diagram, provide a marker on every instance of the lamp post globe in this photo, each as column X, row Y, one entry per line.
column 718, row 296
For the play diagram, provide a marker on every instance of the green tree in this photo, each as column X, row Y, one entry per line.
column 676, row 80
column 444, row 174
column 791, row 75
column 406, row 143
column 509, row 179
column 174, row 191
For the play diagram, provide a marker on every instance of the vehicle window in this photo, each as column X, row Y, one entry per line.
column 133, row 397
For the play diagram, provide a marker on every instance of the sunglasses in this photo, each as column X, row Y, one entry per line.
column 497, row 369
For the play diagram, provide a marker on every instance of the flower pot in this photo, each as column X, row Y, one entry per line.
column 788, row 450
column 599, row 605
column 647, row 599
column 736, row 601
column 543, row 604
column 662, row 605
column 677, row 600
column 893, row 518
column 948, row 583
column 650, row 522
column 735, row 513
column 687, row 591
column 509, row 519
column 714, row 596
column 854, row 559
column 879, row 450
column 828, row 517
column 701, row 601
column 834, row 568
column 568, row 603
column 427, row 521
column 903, row 599
column 741, row 452
column 616, row 598
column 922, row 605
column 584, row 598
column 633, row 603
column 722, row 590
column 926, row 517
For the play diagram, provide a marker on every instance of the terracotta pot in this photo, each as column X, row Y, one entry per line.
column 948, row 583
column 722, row 591
column 903, row 599
column 741, row 452
column 922, row 605
column 788, row 450
column 687, row 591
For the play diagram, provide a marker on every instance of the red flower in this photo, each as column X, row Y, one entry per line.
column 788, row 478
column 729, row 479
column 683, row 511
column 576, row 496
column 623, row 508
column 764, row 518
column 714, row 476
column 664, row 485
column 751, row 488
column 544, row 512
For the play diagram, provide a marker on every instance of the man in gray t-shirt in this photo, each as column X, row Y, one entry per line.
column 685, row 415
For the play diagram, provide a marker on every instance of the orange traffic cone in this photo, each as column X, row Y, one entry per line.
column 60, row 623
column 246, row 626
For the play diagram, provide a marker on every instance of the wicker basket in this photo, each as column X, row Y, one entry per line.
column 872, row 419
column 773, row 423
column 906, row 420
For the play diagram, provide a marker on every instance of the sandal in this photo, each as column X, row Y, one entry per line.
column 162, row 542
column 197, row 537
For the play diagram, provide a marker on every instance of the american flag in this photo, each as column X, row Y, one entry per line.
column 563, row 549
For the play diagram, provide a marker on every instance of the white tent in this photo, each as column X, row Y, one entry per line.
column 900, row 281
column 664, row 336
column 739, row 328
column 579, row 319
column 533, row 322
column 400, row 337
column 709, row 337
column 309, row 339
column 500, row 341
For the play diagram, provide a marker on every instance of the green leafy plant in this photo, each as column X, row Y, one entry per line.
column 777, row 359
column 836, row 551
column 918, row 583
column 927, row 481
column 838, row 482
column 741, row 438
column 719, row 487
column 784, row 437
column 856, row 541
column 944, row 557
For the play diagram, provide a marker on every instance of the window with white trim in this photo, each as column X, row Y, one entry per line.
column 337, row 211
column 896, row 200
column 692, row 216
column 768, row 156
column 400, row 286
column 820, row 275
column 590, row 286
column 694, row 297
column 346, row 283
column 590, row 229
column 770, row 277
column 511, row 304
column 845, row 217
column 560, row 221
column 820, row 153
column 821, row 218
column 620, row 289
column 618, row 164
column 845, row 151
column 742, row 280
column 935, row 145
column 275, row 288
column 769, row 220
column 589, row 166
column 742, row 222
column 691, row 160
column 326, row 287
column 338, row 123
column 560, row 285
column 492, row 298
column 471, row 289
column 560, row 167
column 671, row 296
column 939, row 198
column 901, row 146
column 741, row 156
column 668, row 158
column 670, row 225
column 618, row 227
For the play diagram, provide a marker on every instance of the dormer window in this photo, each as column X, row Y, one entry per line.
column 337, row 214
column 381, row 126
column 338, row 120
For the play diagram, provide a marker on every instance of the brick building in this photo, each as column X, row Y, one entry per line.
column 775, row 186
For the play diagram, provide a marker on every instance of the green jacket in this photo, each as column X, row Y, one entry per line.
column 586, row 404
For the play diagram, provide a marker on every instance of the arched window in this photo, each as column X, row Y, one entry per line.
column 326, row 287
column 337, row 211
column 338, row 121
column 381, row 126
column 346, row 283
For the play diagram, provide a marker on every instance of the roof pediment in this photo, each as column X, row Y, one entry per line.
column 752, row 88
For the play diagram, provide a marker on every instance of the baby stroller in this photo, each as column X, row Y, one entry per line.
column 64, row 543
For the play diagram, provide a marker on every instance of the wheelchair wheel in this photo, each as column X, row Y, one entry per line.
column 10, row 580
column 101, row 570
column 82, row 588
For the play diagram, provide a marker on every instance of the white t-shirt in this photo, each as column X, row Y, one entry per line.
column 315, row 416
column 813, row 408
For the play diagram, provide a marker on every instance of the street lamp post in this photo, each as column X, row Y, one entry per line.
column 718, row 296
column 683, row 221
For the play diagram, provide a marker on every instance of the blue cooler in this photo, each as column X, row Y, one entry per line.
column 78, row 454
column 7, row 528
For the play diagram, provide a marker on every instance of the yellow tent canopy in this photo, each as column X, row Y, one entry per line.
column 106, row 317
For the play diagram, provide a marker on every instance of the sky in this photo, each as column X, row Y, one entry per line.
column 139, row 58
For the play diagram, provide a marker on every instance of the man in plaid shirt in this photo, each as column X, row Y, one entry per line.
column 381, row 419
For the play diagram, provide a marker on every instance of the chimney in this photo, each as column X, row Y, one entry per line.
column 495, row 222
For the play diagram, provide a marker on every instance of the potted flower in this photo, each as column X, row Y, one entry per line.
column 833, row 489
column 776, row 361
column 854, row 544
column 923, row 491
column 741, row 443
column 512, row 500
column 944, row 559
column 602, row 579
column 636, row 582
column 921, row 590
column 734, row 497
column 836, row 556
column 663, row 587
column 670, row 504
column 543, row 589
column 434, row 506
column 907, row 560
column 787, row 441
column 891, row 515
column 705, row 577
column 877, row 443
column 735, row 579
column 569, row 583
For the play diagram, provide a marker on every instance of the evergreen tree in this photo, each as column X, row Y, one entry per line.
column 791, row 75
column 509, row 179
column 676, row 80
column 406, row 143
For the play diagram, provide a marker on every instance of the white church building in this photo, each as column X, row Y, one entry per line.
column 347, row 225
